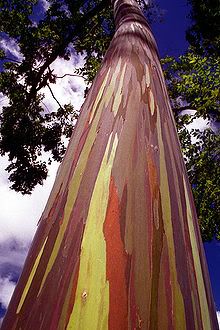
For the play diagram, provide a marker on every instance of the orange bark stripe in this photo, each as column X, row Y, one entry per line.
column 116, row 264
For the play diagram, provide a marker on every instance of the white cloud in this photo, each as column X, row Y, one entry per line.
column 198, row 123
column 11, row 47
column 69, row 89
column 12, row 256
column 19, row 214
column 6, row 289
column 218, row 317
column 45, row 4
column 3, row 101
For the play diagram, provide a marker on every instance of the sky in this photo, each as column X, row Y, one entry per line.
column 18, row 223
column 170, row 32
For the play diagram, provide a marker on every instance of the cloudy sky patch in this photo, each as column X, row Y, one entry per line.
column 45, row 4
column 6, row 288
column 10, row 46
column 69, row 89
column 218, row 316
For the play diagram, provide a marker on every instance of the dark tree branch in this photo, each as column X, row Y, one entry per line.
column 46, row 107
column 69, row 74
column 71, row 32
column 54, row 96
column 186, row 107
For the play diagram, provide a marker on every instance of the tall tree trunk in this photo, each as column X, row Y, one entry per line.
column 118, row 245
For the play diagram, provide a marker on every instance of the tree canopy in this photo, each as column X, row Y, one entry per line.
column 86, row 27
column 204, row 33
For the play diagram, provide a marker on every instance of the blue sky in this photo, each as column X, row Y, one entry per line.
column 212, row 251
column 170, row 33
column 170, row 36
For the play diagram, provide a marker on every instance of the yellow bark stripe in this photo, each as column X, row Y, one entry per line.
column 152, row 104
column 91, row 306
column 74, row 184
column 178, row 304
column 198, row 269
column 147, row 75
column 30, row 279
column 118, row 96
column 99, row 96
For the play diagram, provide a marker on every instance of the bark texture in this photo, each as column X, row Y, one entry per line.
column 118, row 245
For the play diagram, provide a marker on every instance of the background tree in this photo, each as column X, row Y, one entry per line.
column 204, row 33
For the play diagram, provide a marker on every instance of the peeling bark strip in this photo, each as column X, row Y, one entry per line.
column 118, row 245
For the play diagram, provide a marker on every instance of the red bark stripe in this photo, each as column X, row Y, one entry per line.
column 116, row 264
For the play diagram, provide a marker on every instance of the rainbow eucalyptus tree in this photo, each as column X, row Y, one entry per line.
column 118, row 245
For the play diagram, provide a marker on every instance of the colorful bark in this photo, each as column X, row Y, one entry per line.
column 118, row 245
